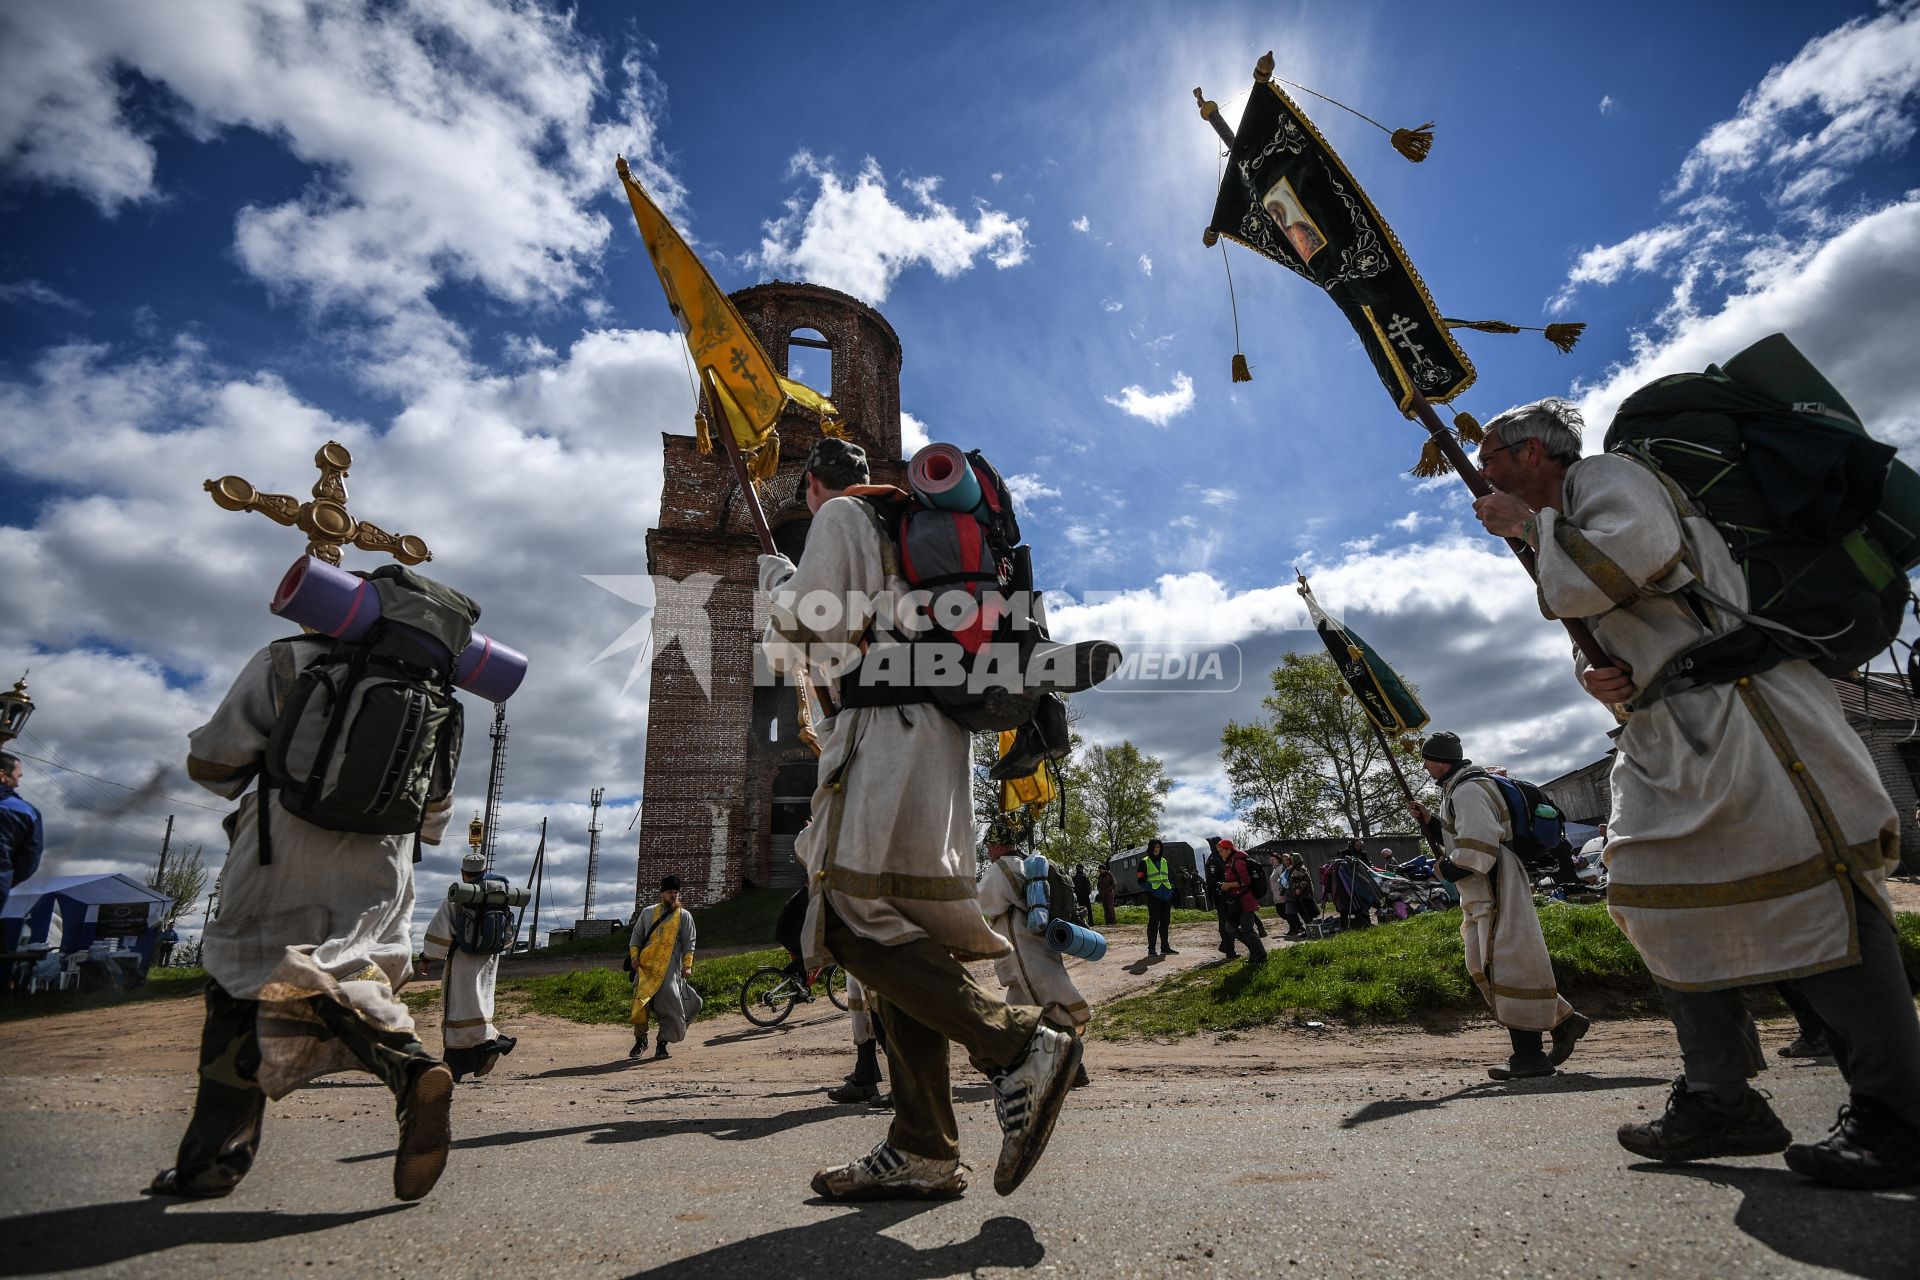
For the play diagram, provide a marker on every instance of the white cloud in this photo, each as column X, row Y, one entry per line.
column 1411, row 522
column 1159, row 408
column 1845, row 97
column 1705, row 225
column 1080, row 224
column 1146, row 265
column 1110, row 305
column 39, row 293
column 853, row 237
column 1607, row 104
column 997, row 177
column 913, row 435
column 1218, row 497
column 1029, row 488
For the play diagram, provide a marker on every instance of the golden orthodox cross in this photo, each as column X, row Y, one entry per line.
column 324, row 520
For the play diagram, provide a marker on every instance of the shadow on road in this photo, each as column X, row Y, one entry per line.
column 761, row 1033
column 1143, row 964
column 1865, row 1234
column 1565, row 1082
column 100, row 1235
column 592, row 1069
column 725, row 1128
column 836, row 1245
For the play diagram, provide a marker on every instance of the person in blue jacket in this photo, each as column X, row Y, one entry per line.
column 22, row 836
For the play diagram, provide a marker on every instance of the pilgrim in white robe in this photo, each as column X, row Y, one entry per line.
column 328, row 916
column 1745, row 814
column 1032, row 972
column 466, row 984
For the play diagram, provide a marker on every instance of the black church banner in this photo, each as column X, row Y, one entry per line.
column 1287, row 196
column 1381, row 691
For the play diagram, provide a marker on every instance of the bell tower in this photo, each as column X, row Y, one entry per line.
column 728, row 780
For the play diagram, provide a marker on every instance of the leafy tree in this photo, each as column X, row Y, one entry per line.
column 1314, row 765
column 184, row 880
column 1124, row 791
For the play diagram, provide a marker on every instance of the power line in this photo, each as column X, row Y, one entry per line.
column 66, row 768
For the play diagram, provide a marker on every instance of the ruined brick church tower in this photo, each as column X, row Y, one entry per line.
column 728, row 780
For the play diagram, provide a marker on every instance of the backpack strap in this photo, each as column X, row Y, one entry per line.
column 262, row 806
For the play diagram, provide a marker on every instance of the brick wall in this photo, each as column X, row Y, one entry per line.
column 708, row 791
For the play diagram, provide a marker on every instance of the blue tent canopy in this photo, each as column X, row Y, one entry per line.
column 91, row 908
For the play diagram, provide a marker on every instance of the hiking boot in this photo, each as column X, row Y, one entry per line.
column 1568, row 1034
column 1696, row 1127
column 425, row 1129
column 887, row 1173
column 1027, row 1099
column 1168, row 951
column 1523, row 1066
column 854, row 1091
column 210, row 1185
column 882, row 1101
column 1080, row 1080
column 659, row 1052
column 1870, row 1148
column 1806, row 1046
column 639, row 1045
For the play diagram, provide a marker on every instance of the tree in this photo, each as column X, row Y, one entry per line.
column 1314, row 765
column 184, row 880
column 1124, row 791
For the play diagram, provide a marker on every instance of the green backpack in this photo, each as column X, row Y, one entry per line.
column 368, row 738
column 1823, row 520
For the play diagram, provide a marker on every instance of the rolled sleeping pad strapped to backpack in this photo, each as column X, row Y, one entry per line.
column 342, row 605
column 942, row 476
column 473, row 895
column 1038, row 912
column 1072, row 940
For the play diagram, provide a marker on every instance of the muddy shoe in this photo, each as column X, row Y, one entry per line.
column 886, row 1173
column 426, row 1130
column 1695, row 1127
column 1027, row 1099
column 1568, row 1034
column 1531, row 1066
column 1870, row 1148
column 1804, row 1046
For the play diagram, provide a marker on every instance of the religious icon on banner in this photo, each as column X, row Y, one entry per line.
column 1295, row 223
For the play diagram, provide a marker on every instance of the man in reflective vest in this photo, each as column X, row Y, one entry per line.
column 1156, row 877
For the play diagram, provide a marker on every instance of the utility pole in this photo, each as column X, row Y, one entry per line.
column 496, row 779
column 593, row 849
column 166, row 842
column 536, row 874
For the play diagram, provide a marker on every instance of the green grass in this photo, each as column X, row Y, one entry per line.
column 161, row 984
column 603, row 995
column 1136, row 917
column 744, row 921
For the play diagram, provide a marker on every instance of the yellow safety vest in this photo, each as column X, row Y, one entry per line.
column 1157, row 877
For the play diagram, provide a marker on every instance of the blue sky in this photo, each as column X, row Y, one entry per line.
column 237, row 229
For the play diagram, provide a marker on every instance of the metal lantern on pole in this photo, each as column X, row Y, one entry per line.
column 15, row 707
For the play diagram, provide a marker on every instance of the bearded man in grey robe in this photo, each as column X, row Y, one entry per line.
column 889, row 859
column 1750, row 835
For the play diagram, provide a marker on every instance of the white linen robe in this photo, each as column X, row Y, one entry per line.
column 1744, row 814
column 1032, row 972
column 466, row 984
column 329, row 916
column 860, row 1014
column 1500, row 927
column 890, row 844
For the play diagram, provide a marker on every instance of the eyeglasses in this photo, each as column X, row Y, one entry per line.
column 1489, row 450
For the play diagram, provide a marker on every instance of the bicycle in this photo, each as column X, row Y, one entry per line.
column 768, row 995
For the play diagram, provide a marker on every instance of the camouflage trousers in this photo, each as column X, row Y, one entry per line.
column 224, row 1134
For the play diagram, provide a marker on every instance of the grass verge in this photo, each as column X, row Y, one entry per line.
column 1403, row 972
column 604, row 995
column 161, row 984
column 744, row 921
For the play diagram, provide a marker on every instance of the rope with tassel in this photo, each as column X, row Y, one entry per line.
column 1562, row 336
column 1414, row 144
column 1432, row 461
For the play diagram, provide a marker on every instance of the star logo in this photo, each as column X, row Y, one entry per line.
column 675, row 611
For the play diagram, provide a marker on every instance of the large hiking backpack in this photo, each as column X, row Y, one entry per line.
column 368, row 738
column 1818, row 515
column 484, row 928
column 1257, row 874
column 969, row 651
column 1539, row 826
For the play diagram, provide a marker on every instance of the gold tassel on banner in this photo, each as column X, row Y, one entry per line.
column 1240, row 371
column 1564, row 336
column 702, row 438
column 1432, row 462
column 1468, row 428
column 1414, row 143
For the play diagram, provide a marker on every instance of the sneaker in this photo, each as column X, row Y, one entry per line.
column 1568, row 1034
column 854, row 1091
column 1532, row 1066
column 886, row 1173
column 1695, row 1127
column 1805, row 1046
column 1027, row 1099
column 426, row 1130
column 1870, row 1147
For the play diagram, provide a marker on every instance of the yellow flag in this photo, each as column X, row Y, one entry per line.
column 733, row 369
column 1035, row 791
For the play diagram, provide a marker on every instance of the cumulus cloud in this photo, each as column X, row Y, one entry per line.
column 852, row 236
column 1607, row 104
column 913, row 435
column 40, row 294
column 1844, row 98
column 1146, row 265
column 1159, row 408
column 1111, row 305
column 1080, row 224
column 1030, row 488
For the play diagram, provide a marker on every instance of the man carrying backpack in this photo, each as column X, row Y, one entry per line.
column 1033, row 973
column 1506, row 952
column 470, row 938
column 1750, row 834
column 890, row 866
column 345, row 753
column 1240, row 887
